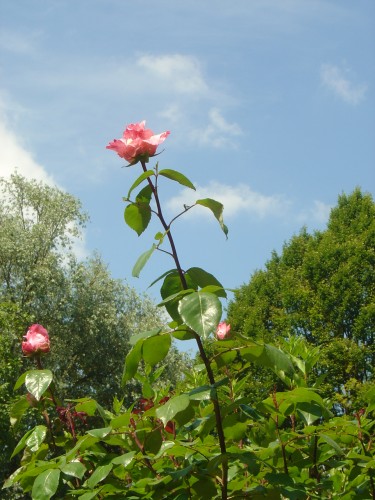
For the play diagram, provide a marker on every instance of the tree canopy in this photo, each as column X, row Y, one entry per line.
column 322, row 288
column 89, row 315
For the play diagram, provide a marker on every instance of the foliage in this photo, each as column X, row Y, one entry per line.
column 90, row 315
column 321, row 287
column 207, row 437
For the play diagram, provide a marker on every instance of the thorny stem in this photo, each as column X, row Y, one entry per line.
column 211, row 378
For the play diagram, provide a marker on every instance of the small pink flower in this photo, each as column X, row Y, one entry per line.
column 37, row 340
column 137, row 143
column 222, row 331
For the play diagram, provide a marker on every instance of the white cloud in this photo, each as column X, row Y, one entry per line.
column 236, row 199
column 319, row 213
column 14, row 156
column 181, row 73
column 338, row 81
column 218, row 132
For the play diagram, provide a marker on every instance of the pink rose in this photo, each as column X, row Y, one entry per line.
column 137, row 143
column 37, row 340
column 222, row 331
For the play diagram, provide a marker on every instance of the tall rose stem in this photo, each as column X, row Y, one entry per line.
column 44, row 412
column 166, row 228
column 211, row 378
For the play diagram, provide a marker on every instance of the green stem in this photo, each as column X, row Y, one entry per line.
column 203, row 355
column 166, row 228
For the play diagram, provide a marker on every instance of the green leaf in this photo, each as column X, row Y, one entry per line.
column 21, row 443
column 20, row 381
column 144, row 195
column 141, row 178
column 75, row 469
column 332, row 443
column 38, row 381
column 125, row 459
column 18, row 409
column 172, row 407
column 144, row 335
column 156, row 348
column 233, row 428
column 162, row 276
column 269, row 356
column 141, row 262
column 183, row 333
column 137, row 216
column 132, row 361
column 100, row 433
column 90, row 494
column 46, row 484
column 177, row 176
column 99, row 474
column 120, row 421
column 36, row 438
column 217, row 209
column 170, row 292
column 202, row 278
column 201, row 393
column 201, row 311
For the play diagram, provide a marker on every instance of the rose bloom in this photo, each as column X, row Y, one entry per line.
column 222, row 331
column 37, row 340
column 137, row 143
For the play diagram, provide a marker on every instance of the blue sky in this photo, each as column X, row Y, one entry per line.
column 270, row 104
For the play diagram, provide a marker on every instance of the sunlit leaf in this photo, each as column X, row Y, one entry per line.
column 46, row 484
column 100, row 433
column 22, row 443
column 202, row 278
column 37, row 437
column 137, row 216
column 18, row 409
column 38, row 381
column 142, row 261
column 156, row 348
column 132, row 361
column 141, row 178
column 178, row 177
column 144, row 335
column 124, row 459
column 75, row 469
column 201, row 311
column 172, row 407
column 99, row 474
column 217, row 209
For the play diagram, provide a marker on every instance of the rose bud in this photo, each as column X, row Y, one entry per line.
column 37, row 341
column 222, row 331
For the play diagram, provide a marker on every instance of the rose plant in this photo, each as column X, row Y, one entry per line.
column 204, row 438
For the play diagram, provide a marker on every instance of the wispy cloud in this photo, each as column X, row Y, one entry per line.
column 182, row 73
column 236, row 199
column 173, row 87
column 319, row 213
column 339, row 82
column 218, row 133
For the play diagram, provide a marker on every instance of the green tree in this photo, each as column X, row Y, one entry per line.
column 88, row 314
column 321, row 287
